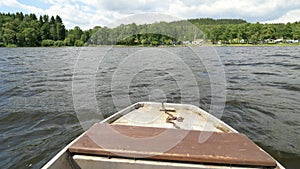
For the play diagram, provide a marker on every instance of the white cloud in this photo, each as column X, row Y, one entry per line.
column 291, row 16
column 144, row 18
column 10, row 3
column 71, row 14
column 256, row 10
column 16, row 4
column 88, row 14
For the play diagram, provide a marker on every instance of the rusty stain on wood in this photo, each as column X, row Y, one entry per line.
column 223, row 128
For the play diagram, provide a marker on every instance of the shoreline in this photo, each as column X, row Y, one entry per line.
column 255, row 45
column 162, row 46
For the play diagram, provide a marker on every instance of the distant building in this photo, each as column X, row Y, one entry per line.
column 197, row 42
column 176, row 43
column 278, row 41
column 186, row 42
column 242, row 41
column 269, row 41
column 292, row 41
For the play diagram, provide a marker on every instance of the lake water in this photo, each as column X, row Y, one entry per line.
column 39, row 96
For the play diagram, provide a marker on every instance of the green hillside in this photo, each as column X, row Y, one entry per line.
column 19, row 30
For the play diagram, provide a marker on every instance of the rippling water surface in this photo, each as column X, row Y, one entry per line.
column 37, row 104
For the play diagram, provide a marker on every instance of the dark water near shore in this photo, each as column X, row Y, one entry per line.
column 37, row 105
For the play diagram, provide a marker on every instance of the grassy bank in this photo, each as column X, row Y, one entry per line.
column 206, row 44
column 279, row 44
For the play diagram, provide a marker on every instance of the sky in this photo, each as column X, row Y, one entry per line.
column 89, row 13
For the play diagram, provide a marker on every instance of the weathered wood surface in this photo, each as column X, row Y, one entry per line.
column 219, row 148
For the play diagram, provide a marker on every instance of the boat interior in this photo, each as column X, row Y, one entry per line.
column 164, row 135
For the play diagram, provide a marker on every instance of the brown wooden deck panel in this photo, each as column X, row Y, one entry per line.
column 219, row 148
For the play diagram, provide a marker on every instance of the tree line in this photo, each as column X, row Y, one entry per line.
column 251, row 33
column 26, row 30
column 20, row 29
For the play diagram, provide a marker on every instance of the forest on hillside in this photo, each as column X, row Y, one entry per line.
column 18, row 30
